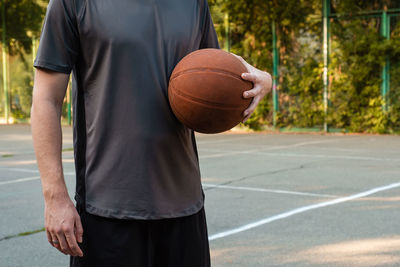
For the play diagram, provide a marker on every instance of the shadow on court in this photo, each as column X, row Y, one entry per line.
column 271, row 199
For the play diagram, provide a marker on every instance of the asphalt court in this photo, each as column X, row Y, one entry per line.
column 271, row 199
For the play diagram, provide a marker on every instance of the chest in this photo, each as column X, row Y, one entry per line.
column 141, row 23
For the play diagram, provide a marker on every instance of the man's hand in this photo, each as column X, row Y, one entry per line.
column 63, row 226
column 262, row 84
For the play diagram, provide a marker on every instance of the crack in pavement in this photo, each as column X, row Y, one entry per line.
column 22, row 234
column 302, row 166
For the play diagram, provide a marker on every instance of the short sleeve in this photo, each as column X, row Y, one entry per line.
column 209, row 38
column 59, row 40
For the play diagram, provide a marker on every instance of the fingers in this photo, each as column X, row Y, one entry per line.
column 246, row 118
column 250, row 77
column 261, row 81
column 256, row 94
column 63, row 243
column 72, row 244
column 78, row 229
column 53, row 240
column 253, row 92
column 65, row 239
column 49, row 237
column 247, row 113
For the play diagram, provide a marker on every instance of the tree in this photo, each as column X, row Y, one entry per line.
column 358, row 53
column 23, row 21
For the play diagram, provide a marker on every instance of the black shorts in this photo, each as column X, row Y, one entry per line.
column 177, row 242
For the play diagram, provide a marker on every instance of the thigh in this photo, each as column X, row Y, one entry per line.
column 113, row 242
column 181, row 242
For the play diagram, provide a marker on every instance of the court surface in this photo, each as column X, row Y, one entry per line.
column 271, row 199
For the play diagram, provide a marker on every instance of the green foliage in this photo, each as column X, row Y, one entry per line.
column 352, row 6
column 261, row 115
column 303, row 106
column 358, row 53
column 21, row 84
column 23, row 21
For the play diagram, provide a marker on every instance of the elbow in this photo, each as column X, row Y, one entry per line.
column 45, row 107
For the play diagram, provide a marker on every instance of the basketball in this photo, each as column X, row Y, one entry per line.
column 205, row 91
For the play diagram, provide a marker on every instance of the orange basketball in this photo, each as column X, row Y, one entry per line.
column 206, row 91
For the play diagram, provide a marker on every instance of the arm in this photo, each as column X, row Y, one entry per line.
column 62, row 222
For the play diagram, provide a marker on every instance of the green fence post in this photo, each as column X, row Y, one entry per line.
column 69, row 100
column 275, row 74
column 385, row 86
column 5, row 74
column 33, row 49
column 227, row 33
column 326, row 30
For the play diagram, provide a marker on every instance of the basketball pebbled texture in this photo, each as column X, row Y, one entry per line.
column 206, row 91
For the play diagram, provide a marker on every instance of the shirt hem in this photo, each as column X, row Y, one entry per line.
column 142, row 215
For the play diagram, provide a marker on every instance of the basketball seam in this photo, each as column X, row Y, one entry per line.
column 202, row 101
column 228, row 73
column 190, row 125
column 181, row 117
column 187, row 123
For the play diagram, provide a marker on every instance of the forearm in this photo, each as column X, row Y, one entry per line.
column 47, row 141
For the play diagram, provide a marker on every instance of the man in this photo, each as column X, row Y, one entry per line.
column 139, row 200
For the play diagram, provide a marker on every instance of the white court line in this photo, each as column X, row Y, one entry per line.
column 20, row 180
column 301, row 210
column 27, row 179
column 267, row 190
column 325, row 156
column 222, row 140
column 20, row 170
column 27, row 170
column 267, row 149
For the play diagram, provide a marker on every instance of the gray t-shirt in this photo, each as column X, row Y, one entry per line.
column 133, row 158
